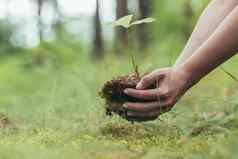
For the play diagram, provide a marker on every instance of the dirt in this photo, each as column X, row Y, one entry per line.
column 113, row 93
column 5, row 122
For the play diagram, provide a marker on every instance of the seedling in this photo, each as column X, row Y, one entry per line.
column 128, row 23
column 113, row 90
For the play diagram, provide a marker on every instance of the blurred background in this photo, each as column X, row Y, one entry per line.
column 27, row 24
column 55, row 55
column 46, row 45
column 52, row 45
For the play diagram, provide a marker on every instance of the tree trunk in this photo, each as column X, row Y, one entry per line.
column 40, row 24
column 145, row 9
column 121, row 39
column 98, row 47
column 57, row 23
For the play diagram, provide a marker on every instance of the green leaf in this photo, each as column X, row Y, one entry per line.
column 124, row 21
column 142, row 21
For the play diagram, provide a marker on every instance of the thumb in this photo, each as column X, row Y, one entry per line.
column 150, row 79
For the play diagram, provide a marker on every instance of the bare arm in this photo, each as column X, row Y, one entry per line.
column 174, row 82
column 221, row 45
column 210, row 19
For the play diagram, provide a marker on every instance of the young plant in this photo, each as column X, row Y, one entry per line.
column 127, row 23
column 113, row 90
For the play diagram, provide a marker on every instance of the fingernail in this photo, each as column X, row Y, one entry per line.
column 125, row 91
column 139, row 85
column 125, row 105
column 129, row 114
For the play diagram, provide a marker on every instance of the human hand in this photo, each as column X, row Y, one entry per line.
column 172, row 83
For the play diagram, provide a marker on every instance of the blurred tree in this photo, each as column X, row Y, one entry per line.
column 171, row 19
column 145, row 10
column 98, row 44
column 40, row 24
column 58, row 23
column 121, row 39
column 6, row 31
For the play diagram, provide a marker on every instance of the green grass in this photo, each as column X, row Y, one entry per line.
column 56, row 113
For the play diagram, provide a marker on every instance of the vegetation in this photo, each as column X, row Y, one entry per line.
column 61, row 116
column 50, row 107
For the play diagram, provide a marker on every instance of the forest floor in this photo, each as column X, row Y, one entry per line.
column 57, row 114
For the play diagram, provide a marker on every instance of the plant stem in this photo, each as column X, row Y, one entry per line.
column 133, row 61
column 229, row 74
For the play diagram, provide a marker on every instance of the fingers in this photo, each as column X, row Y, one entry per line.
column 143, row 107
column 141, row 119
column 151, row 94
column 145, row 115
column 149, row 107
column 146, row 111
column 149, row 79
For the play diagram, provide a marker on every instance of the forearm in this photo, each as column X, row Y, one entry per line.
column 210, row 19
column 221, row 45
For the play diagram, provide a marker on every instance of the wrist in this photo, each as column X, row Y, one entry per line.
column 185, row 75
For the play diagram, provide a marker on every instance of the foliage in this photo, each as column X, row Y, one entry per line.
column 49, row 97
column 5, row 35
column 58, row 114
column 126, row 21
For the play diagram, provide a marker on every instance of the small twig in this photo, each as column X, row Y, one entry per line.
column 229, row 74
column 135, row 66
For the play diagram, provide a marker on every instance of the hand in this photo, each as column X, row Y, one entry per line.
column 172, row 83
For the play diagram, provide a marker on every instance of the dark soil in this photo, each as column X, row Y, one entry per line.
column 113, row 93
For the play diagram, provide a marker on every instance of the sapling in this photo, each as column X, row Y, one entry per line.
column 128, row 23
column 113, row 90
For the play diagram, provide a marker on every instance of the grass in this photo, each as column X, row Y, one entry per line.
column 56, row 113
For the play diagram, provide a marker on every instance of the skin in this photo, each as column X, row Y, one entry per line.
column 208, row 22
column 203, row 53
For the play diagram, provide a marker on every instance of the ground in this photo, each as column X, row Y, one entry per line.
column 57, row 113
